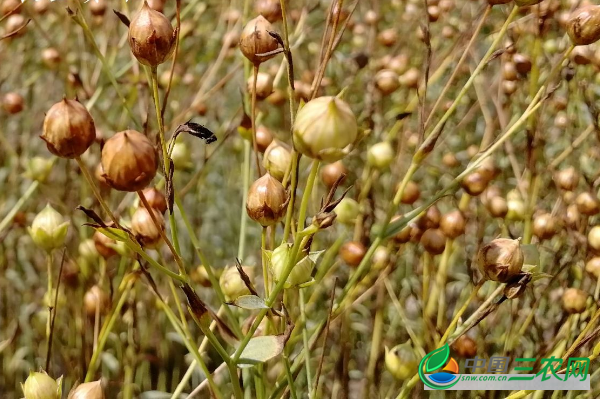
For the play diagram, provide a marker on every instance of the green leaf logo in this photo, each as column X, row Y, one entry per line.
column 437, row 358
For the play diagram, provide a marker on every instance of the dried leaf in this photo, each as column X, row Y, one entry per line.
column 245, row 277
column 122, row 17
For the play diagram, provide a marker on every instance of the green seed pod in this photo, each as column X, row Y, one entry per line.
column 232, row 284
column 347, row 211
column 40, row 386
column 277, row 159
column 401, row 361
column 49, row 229
column 583, row 26
column 325, row 129
column 38, row 168
column 380, row 155
column 301, row 272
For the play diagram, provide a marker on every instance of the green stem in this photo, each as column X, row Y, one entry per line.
column 306, row 196
column 263, row 241
column 305, row 342
column 192, row 348
column 109, row 323
column 18, row 205
column 290, row 264
column 244, row 214
column 476, row 72
column 49, row 300
column 165, row 157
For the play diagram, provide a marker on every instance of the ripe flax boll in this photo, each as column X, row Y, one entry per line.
column 129, row 161
column 69, row 129
column 151, row 36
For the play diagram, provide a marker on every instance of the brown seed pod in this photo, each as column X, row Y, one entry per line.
column 509, row 71
column 399, row 64
column 587, row 203
column 129, row 161
column 89, row 390
column 453, row 224
column 151, row 36
column 433, row 13
column 465, row 347
column 545, row 226
column 14, row 23
column 572, row 217
column 410, row 78
column 104, row 245
column 330, row 173
column 97, row 8
column 574, row 300
column 96, row 299
column 474, row 183
column 387, row 81
column 267, row 200
column 404, row 235
column 501, row 259
column 388, row 37
column 431, row 218
column 583, row 25
column 99, row 175
column 509, row 87
column 156, row 199
column 69, row 129
column 594, row 238
column 145, row 229
column 433, row 241
column 264, row 85
column 352, row 253
column 567, row 179
column 498, row 207
column 51, row 57
column 270, row 9
column 264, row 138
column 10, row 5
column 255, row 40
column 593, row 267
column 200, row 276
column 522, row 63
column 450, row 161
column 411, row 193
column 13, row 103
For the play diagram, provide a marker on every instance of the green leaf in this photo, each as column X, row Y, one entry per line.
column 249, row 302
column 261, row 349
column 437, row 358
column 114, row 234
